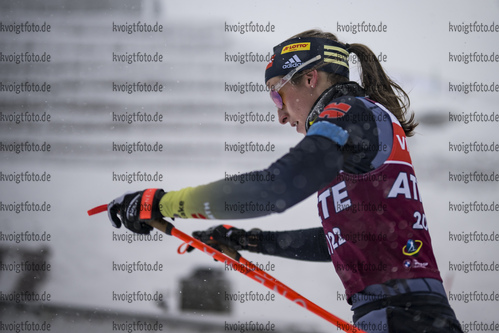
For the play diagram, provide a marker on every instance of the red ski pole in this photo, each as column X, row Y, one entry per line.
column 247, row 268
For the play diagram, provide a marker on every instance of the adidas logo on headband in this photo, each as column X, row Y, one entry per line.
column 292, row 62
column 291, row 53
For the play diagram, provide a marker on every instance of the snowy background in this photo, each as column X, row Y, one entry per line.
column 194, row 73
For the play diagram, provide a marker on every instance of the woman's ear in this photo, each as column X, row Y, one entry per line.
column 311, row 78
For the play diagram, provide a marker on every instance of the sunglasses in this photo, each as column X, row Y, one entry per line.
column 274, row 92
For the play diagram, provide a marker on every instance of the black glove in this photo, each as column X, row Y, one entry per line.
column 134, row 208
column 236, row 239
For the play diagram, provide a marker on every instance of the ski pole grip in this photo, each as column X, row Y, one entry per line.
column 162, row 225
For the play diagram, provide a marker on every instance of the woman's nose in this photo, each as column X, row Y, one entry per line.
column 283, row 116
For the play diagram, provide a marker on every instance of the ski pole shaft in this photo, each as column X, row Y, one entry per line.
column 247, row 268
column 256, row 274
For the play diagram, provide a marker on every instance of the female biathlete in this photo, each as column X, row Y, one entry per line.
column 355, row 156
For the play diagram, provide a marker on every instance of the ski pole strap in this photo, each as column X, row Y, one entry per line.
column 183, row 248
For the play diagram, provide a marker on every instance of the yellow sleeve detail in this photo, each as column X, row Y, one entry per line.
column 172, row 204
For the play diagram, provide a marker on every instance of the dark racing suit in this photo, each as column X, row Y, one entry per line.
column 374, row 228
